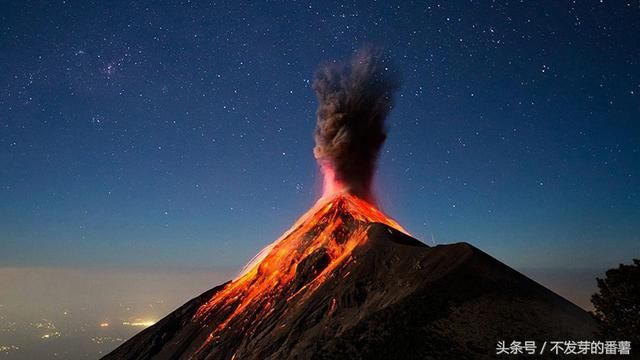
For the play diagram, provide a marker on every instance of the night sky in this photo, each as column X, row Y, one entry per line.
column 179, row 134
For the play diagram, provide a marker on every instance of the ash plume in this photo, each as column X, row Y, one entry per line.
column 354, row 100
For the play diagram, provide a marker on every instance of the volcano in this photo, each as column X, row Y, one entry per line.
column 348, row 282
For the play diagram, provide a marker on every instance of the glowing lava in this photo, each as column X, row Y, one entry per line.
column 295, row 265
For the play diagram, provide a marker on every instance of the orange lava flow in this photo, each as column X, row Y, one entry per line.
column 326, row 234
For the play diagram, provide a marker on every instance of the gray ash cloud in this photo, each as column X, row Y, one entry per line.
column 354, row 101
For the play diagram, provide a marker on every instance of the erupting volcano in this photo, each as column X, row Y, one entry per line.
column 347, row 281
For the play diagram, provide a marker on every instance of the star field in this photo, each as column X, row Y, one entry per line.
column 179, row 133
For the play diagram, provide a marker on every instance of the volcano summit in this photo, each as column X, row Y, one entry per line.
column 348, row 282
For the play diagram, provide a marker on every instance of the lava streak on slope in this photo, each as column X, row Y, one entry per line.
column 354, row 99
column 293, row 266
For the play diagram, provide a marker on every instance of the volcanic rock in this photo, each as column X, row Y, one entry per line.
column 347, row 282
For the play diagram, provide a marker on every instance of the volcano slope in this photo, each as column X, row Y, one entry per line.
column 346, row 282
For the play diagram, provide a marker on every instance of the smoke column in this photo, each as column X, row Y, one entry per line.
column 354, row 100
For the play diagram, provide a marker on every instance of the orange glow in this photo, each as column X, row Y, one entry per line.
column 104, row 324
column 331, row 186
column 329, row 231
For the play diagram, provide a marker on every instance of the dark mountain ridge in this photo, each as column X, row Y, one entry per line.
column 348, row 282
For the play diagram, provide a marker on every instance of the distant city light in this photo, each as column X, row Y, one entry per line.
column 139, row 323
column 54, row 334
column 6, row 349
